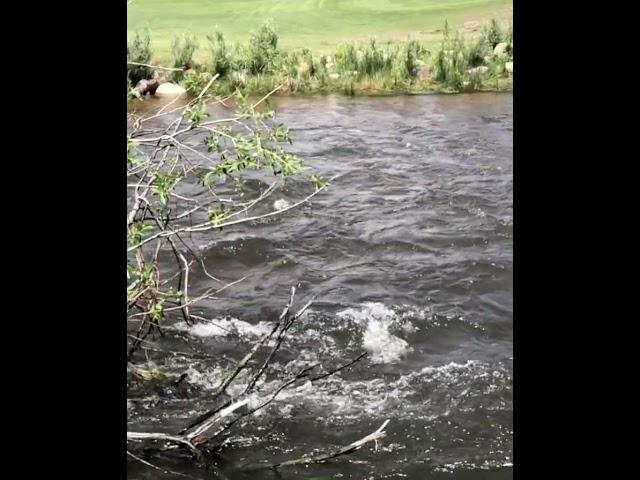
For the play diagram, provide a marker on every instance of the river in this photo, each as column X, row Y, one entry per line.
column 410, row 253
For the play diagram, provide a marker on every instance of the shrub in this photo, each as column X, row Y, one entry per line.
column 139, row 51
column 182, row 50
column 451, row 62
column 262, row 53
column 220, row 60
column 492, row 34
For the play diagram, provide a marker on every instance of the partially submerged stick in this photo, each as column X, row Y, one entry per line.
column 352, row 447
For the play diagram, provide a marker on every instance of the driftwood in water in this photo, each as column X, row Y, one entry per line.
column 352, row 447
column 206, row 431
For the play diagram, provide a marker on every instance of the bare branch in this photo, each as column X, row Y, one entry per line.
column 204, row 426
column 212, row 226
column 352, row 447
column 140, row 436
column 156, row 67
column 178, row 474
column 302, row 374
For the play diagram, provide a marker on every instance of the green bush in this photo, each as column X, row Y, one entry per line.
column 220, row 59
column 262, row 53
column 367, row 60
column 139, row 51
column 492, row 34
column 476, row 52
column 450, row 62
column 182, row 50
column 410, row 57
column 509, row 39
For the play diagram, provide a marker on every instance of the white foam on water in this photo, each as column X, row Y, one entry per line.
column 376, row 319
column 340, row 399
column 467, row 465
column 281, row 204
column 449, row 369
column 208, row 379
column 225, row 326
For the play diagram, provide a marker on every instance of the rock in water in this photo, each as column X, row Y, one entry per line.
column 169, row 89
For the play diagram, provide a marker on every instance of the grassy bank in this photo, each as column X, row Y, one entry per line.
column 320, row 25
column 456, row 64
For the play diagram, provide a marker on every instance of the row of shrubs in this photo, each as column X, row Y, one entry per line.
column 261, row 65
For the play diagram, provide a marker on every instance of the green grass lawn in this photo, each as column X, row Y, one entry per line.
column 316, row 24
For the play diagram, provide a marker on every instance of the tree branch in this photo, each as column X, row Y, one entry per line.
column 352, row 447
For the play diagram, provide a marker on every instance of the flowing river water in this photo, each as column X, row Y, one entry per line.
column 410, row 253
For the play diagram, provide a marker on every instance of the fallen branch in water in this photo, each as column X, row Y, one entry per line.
column 212, row 424
column 163, row 470
column 141, row 436
column 352, row 447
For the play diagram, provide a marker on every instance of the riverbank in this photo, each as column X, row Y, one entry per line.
column 460, row 63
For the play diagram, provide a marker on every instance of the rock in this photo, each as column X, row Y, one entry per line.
column 169, row 89
column 424, row 72
column 500, row 50
column 334, row 76
column 481, row 70
column 303, row 70
column 509, row 67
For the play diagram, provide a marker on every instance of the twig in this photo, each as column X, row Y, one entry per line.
column 352, row 447
column 207, row 86
column 203, row 227
column 156, row 67
column 202, row 428
column 266, row 96
column 324, row 375
column 302, row 374
column 238, row 368
column 280, row 338
column 140, row 436
column 155, row 466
